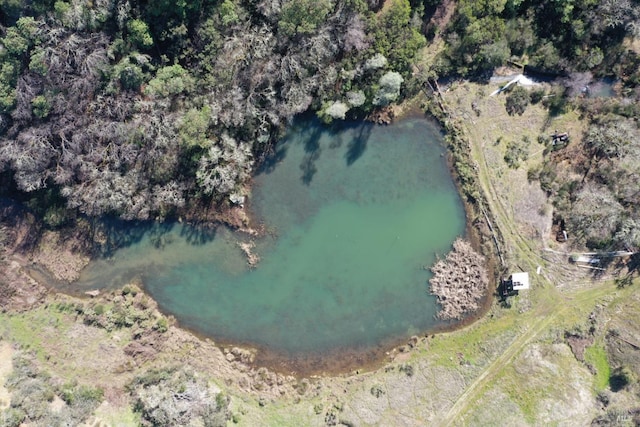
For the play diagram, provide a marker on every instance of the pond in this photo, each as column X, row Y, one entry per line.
column 354, row 213
column 604, row 88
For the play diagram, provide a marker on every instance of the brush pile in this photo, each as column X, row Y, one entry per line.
column 459, row 281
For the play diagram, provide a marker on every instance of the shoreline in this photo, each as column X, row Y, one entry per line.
column 338, row 361
column 332, row 363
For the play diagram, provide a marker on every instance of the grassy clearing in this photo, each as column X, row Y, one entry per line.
column 283, row 414
column 31, row 329
column 544, row 371
column 596, row 355
column 473, row 342
column 64, row 345
column 116, row 416
column 541, row 367
column 526, row 398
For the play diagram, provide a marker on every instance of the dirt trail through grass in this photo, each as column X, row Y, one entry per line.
column 550, row 306
column 525, row 251
column 538, row 322
column 474, row 390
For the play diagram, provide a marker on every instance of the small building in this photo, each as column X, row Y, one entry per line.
column 520, row 281
column 515, row 283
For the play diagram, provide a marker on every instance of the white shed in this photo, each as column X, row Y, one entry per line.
column 520, row 281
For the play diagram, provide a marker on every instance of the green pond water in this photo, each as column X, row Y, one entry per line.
column 353, row 214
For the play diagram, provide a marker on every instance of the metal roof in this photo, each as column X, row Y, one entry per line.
column 520, row 280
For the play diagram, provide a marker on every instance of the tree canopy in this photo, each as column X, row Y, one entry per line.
column 138, row 109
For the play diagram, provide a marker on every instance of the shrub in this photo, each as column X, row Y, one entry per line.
column 162, row 325
column 37, row 62
column 517, row 101
column 336, row 110
column 356, row 99
column 13, row 417
column 41, row 106
column 72, row 393
column 228, row 13
column 615, row 138
column 620, row 378
column 375, row 62
column 533, row 174
column 516, row 152
column 555, row 102
column 129, row 74
column 31, row 391
column 389, row 89
column 193, row 128
column 302, row 16
column 168, row 398
column 139, row 34
column 169, row 81
column 377, row 391
column 594, row 215
column 536, row 95
column 407, row 369
column 129, row 290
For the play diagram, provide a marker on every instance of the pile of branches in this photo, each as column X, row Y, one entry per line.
column 459, row 281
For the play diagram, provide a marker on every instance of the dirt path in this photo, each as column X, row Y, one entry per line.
column 538, row 325
column 501, row 215
column 474, row 390
column 523, row 253
column 539, row 322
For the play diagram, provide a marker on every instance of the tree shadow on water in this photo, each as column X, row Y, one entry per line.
column 310, row 137
column 116, row 233
column 270, row 162
column 358, row 144
column 197, row 234
column 308, row 167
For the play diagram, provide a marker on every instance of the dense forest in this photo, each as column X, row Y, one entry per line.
column 138, row 108
column 148, row 109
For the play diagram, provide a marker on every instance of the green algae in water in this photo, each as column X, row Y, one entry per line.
column 355, row 214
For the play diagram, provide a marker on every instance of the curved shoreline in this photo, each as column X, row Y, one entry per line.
column 343, row 360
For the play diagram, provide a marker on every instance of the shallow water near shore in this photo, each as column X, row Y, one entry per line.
column 353, row 213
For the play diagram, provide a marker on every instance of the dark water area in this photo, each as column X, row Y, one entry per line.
column 354, row 214
column 604, row 88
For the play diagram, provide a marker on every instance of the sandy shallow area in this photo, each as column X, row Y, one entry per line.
column 59, row 257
